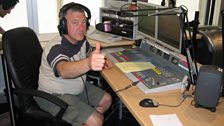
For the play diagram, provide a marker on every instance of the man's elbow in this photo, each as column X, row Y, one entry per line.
column 61, row 71
column 62, row 75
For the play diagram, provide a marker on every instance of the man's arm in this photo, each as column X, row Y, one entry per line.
column 74, row 69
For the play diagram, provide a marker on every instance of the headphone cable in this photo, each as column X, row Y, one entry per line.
column 86, row 91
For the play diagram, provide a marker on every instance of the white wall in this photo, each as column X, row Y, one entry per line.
column 192, row 5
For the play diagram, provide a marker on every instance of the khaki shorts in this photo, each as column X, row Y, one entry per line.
column 78, row 110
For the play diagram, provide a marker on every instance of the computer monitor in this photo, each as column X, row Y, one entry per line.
column 165, row 29
column 146, row 24
column 169, row 32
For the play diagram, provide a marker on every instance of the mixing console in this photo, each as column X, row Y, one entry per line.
column 165, row 76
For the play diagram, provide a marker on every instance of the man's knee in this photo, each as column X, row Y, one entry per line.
column 95, row 119
column 108, row 98
column 104, row 103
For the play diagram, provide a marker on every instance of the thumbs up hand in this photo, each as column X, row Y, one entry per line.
column 97, row 50
column 97, row 59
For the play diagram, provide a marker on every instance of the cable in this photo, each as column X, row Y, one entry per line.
column 86, row 91
column 129, row 86
column 179, row 104
column 85, row 86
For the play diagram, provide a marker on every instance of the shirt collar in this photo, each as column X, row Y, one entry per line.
column 71, row 48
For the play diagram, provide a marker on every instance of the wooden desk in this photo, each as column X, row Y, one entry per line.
column 187, row 114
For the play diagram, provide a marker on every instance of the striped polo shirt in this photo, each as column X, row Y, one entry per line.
column 55, row 52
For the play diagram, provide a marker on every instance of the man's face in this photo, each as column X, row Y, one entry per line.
column 76, row 24
column 4, row 12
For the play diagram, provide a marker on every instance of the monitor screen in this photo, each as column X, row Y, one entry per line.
column 146, row 24
column 169, row 32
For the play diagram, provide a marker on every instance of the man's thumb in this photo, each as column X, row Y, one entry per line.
column 97, row 50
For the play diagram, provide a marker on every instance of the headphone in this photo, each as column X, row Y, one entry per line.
column 62, row 26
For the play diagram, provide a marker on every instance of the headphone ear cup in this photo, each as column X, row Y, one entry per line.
column 62, row 27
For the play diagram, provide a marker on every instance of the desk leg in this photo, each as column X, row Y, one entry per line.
column 8, row 91
column 120, row 109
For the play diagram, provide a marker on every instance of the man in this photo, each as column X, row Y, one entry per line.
column 64, row 66
column 5, row 8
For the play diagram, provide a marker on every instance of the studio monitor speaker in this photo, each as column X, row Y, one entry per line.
column 208, row 87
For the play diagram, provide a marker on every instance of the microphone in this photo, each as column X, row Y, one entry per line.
column 106, row 26
column 99, row 27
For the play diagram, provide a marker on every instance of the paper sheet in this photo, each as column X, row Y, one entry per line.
column 165, row 120
column 128, row 67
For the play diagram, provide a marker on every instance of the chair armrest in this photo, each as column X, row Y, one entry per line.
column 63, row 105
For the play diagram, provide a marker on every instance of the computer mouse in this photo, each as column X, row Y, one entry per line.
column 147, row 102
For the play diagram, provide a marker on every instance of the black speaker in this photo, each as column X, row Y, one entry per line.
column 208, row 87
column 62, row 26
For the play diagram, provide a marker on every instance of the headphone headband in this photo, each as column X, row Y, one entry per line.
column 68, row 6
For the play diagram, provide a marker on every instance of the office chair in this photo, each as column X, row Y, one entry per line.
column 22, row 54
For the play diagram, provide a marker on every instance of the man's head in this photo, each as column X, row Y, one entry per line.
column 6, row 6
column 74, row 20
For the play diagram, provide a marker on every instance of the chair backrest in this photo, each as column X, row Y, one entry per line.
column 22, row 52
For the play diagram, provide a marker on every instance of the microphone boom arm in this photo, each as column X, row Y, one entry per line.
column 161, row 11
